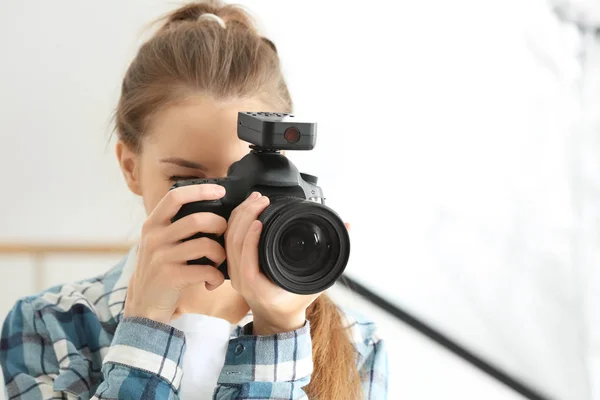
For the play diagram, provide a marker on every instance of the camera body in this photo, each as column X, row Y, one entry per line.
column 304, row 245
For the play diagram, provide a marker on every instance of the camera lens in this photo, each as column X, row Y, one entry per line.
column 291, row 135
column 304, row 245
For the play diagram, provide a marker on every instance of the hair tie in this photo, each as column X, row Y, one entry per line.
column 213, row 17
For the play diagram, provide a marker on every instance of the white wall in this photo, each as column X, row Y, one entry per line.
column 449, row 133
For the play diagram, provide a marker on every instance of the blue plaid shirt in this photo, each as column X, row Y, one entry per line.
column 72, row 342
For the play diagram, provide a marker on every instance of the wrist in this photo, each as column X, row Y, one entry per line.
column 271, row 325
column 162, row 317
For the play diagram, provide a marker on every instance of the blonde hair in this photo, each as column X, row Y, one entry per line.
column 190, row 54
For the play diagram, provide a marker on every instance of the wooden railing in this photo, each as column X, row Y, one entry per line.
column 39, row 251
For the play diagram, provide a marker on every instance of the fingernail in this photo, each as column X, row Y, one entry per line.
column 220, row 190
column 255, row 195
column 255, row 227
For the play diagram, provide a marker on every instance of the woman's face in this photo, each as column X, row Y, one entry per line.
column 195, row 138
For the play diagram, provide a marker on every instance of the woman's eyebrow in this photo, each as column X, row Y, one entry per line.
column 183, row 163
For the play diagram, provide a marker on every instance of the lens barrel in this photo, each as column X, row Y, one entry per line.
column 304, row 246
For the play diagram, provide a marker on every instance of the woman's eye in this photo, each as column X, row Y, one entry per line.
column 177, row 178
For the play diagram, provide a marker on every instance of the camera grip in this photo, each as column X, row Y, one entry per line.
column 210, row 206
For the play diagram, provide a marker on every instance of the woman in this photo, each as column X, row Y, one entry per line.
column 153, row 326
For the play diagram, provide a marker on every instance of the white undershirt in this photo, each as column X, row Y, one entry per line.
column 206, row 340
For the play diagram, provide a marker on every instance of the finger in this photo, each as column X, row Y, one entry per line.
column 245, row 218
column 170, row 204
column 253, row 196
column 195, row 249
column 235, row 232
column 250, row 252
column 189, row 225
column 195, row 274
column 242, row 206
column 211, row 287
column 347, row 225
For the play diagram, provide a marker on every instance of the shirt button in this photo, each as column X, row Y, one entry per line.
column 239, row 349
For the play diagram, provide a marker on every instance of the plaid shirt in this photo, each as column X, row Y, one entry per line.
column 72, row 342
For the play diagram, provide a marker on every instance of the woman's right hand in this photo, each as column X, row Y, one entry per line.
column 162, row 270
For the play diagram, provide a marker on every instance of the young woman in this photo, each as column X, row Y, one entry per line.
column 154, row 327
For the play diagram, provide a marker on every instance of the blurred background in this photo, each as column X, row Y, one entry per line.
column 459, row 138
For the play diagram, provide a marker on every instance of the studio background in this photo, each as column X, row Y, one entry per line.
column 460, row 139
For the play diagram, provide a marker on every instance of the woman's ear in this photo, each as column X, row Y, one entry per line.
column 130, row 166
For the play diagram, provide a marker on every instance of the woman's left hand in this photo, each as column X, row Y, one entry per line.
column 274, row 309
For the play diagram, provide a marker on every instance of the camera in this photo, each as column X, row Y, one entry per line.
column 304, row 245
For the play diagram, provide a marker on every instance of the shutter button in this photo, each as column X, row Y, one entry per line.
column 239, row 349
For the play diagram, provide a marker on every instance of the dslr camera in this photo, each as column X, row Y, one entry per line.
column 304, row 246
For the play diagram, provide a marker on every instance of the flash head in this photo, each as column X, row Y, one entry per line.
column 276, row 131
